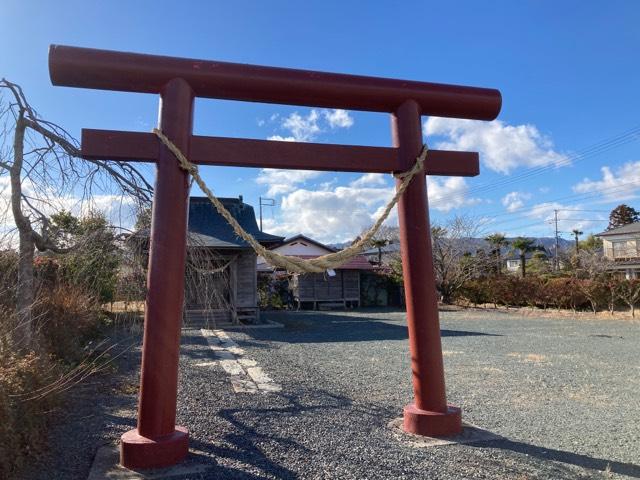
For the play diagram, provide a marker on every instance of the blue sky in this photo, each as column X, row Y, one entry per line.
column 568, row 136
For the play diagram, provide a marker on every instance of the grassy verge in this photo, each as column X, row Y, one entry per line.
column 68, row 324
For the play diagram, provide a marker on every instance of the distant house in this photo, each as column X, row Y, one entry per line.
column 338, row 288
column 622, row 246
column 512, row 259
column 221, row 267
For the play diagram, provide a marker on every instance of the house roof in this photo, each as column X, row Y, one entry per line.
column 207, row 228
column 359, row 262
column 307, row 239
column 629, row 228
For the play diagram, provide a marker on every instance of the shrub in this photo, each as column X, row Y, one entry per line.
column 628, row 291
column 475, row 291
column 8, row 277
column 23, row 402
column 595, row 291
column 272, row 292
column 66, row 318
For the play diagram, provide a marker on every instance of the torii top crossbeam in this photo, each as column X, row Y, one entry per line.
column 157, row 441
column 131, row 72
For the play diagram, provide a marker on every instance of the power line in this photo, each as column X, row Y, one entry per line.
column 577, row 197
column 588, row 152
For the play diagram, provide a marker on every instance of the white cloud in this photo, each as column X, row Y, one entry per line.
column 335, row 215
column 281, row 181
column 306, row 128
column 503, row 147
column 118, row 209
column 338, row 118
column 369, row 179
column 448, row 193
column 302, row 128
column 569, row 217
column 515, row 200
column 621, row 185
column 280, row 138
column 340, row 213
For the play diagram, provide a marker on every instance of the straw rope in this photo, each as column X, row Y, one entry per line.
column 296, row 264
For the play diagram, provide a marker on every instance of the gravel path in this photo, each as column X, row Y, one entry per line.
column 563, row 393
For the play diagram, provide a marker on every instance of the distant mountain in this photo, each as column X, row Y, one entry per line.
column 547, row 242
column 474, row 244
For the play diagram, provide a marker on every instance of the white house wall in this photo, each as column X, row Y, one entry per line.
column 298, row 248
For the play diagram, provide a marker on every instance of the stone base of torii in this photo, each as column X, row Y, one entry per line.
column 157, row 441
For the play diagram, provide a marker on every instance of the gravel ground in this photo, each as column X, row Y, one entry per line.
column 563, row 393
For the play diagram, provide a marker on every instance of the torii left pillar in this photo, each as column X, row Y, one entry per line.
column 158, row 441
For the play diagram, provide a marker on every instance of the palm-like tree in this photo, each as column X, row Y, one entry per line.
column 523, row 245
column 497, row 241
column 380, row 244
column 576, row 234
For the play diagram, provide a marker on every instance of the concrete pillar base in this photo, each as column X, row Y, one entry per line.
column 137, row 451
column 432, row 424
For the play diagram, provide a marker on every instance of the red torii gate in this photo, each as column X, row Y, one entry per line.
column 157, row 441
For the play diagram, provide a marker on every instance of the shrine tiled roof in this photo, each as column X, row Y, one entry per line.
column 208, row 228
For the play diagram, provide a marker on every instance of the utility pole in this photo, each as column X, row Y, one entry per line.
column 557, row 262
column 267, row 202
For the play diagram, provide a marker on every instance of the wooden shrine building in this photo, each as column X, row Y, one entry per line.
column 337, row 288
column 221, row 279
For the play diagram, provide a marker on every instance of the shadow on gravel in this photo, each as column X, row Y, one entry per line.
column 248, row 445
column 570, row 458
column 322, row 328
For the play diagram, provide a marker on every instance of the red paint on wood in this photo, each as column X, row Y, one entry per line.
column 165, row 289
column 137, row 451
column 157, row 441
column 133, row 72
column 239, row 152
column 420, row 289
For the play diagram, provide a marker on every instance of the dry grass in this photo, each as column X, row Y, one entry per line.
column 448, row 353
column 133, row 306
column 535, row 358
column 529, row 357
column 618, row 315
column 23, row 429
column 32, row 380
column 592, row 396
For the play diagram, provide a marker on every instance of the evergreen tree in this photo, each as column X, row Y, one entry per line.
column 523, row 245
column 591, row 243
column 497, row 241
column 622, row 215
column 93, row 260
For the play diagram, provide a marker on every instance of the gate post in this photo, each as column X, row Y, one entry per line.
column 429, row 414
column 157, row 441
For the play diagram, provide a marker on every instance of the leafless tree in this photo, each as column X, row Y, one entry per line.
column 592, row 265
column 455, row 259
column 628, row 291
column 43, row 165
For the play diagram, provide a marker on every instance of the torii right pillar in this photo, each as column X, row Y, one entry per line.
column 430, row 414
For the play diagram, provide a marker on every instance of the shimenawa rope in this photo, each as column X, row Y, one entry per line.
column 296, row 264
